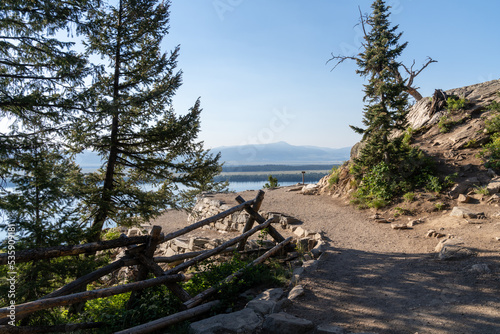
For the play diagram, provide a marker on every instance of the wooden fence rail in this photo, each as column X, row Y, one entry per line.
column 140, row 252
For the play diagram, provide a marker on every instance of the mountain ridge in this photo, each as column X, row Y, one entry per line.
column 280, row 153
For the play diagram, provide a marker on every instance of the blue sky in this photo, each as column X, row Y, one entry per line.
column 260, row 68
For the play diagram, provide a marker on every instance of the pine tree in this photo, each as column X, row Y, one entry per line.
column 38, row 72
column 130, row 120
column 386, row 99
column 39, row 78
column 387, row 165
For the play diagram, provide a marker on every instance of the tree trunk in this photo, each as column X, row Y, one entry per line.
column 413, row 92
column 106, row 196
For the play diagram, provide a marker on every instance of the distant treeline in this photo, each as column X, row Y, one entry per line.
column 309, row 177
column 275, row 168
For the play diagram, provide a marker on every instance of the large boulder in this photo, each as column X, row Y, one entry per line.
column 453, row 249
column 244, row 321
column 266, row 302
column 283, row 323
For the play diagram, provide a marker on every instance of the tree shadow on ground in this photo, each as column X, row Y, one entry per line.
column 391, row 293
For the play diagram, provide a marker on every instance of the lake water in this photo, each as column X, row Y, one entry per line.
column 233, row 186
column 242, row 186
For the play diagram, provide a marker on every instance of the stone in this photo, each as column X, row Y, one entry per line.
column 464, row 198
column 463, row 186
column 480, row 268
column 133, row 231
column 400, row 226
column 296, row 273
column 414, row 222
column 494, row 199
column 244, row 321
column 262, row 307
column 434, row 234
column 319, row 249
column 296, row 292
column 310, row 189
column 283, row 323
column 329, row 329
column 494, row 185
column 310, row 266
column 452, row 249
column 461, row 212
column 299, row 231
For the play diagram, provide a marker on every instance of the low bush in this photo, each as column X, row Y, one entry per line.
column 335, row 176
column 157, row 302
column 273, row 182
column 413, row 170
column 454, row 103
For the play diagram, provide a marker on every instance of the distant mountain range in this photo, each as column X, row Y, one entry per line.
column 273, row 154
column 281, row 153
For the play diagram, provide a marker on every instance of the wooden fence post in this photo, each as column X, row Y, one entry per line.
column 272, row 231
column 251, row 220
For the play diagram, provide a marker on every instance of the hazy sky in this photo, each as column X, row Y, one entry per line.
column 260, row 68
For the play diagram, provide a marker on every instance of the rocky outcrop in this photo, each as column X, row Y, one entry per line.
column 452, row 138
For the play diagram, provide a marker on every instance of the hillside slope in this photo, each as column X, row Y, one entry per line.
column 453, row 139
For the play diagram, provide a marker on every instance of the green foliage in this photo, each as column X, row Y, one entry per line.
column 212, row 273
column 493, row 124
column 153, row 303
column 335, row 176
column 409, row 196
column 472, row 143
column 445, row 124
column 403, row 212
column 386, row 167
column 482, row 190
column 439, row 206
column 273, row 182
column 412, row 170
column 408, row 135
column 130, row 121
column 455, row 103
column 385, row 97
column 491, row 152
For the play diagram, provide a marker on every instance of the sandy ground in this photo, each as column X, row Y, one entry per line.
column 377, row 279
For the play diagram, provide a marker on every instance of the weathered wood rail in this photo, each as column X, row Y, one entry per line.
column 140, row 252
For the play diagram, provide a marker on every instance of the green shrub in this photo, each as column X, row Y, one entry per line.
column 157, row 302
column 335, row 176
column 482, row 190
column 412, row 170
column 493, row 124
column 409, row 196
column 455, row 103
column 439, row 206
column 273, row 182
column 408, row 135
column 491, row 152
column 445, row 124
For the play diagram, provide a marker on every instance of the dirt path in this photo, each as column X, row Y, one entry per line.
column 376, row 279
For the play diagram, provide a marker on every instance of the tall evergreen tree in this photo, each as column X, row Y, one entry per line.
column 39, row 78
column 385, row 96
column 38, row 72
column 130, row 120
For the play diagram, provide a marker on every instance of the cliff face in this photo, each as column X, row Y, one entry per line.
column 452, row 138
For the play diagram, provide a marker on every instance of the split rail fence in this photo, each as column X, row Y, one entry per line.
column 140, row 252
